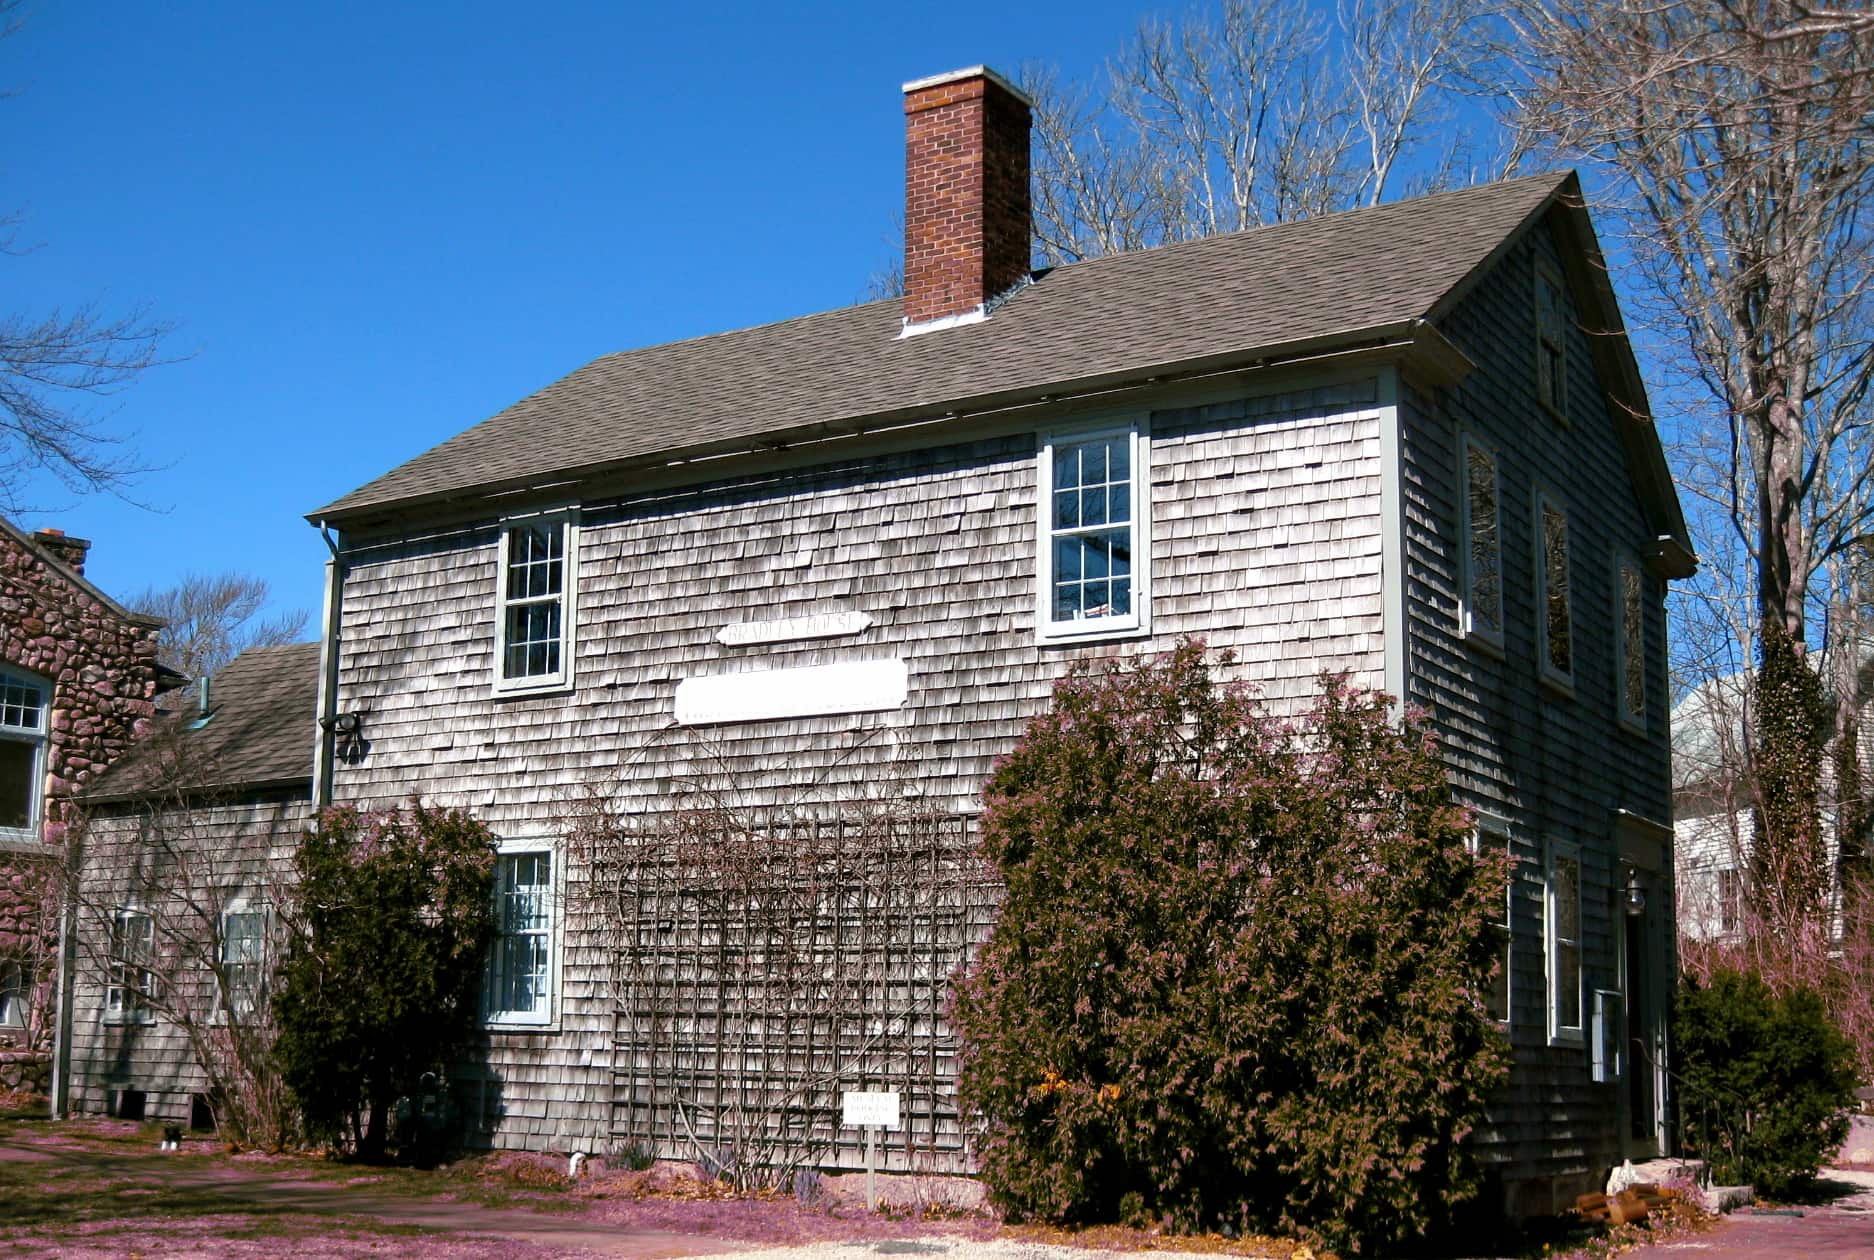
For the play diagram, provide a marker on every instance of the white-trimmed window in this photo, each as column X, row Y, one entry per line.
column 14, row 994
column 1730, row 900
column 130, row 984
column 534, row 611
column 1555, row 621
column 1094, row 538
column 1551, row 340
column 1630, row 678
column 520, row 981
column 23, row 703
column 1562, row 940
column 1481, row 548
column 244, row 959
column 1493, row 836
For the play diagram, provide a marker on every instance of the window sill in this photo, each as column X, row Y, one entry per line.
column 1092, row 634
column 1483, row 641
column 1561, row 686
column 129, row 1021
column 1568, row 1037
column 1633, row 726
column 513, row 1026
column 518, row 690
column 1554, row 413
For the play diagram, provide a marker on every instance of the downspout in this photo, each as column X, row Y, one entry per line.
column 322, row 752
column 62, row 999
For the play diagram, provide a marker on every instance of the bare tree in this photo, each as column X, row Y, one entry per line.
column 56, row 368
column 211, row 619
column 1260, row 112
column 1732, row 139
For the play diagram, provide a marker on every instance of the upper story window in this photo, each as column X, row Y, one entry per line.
column 131, row 984
column 1551, row 340
column 1482, row 547
column 534, row 602
column 23, row 703
column 1555, row 622
column 1630, row 589
column 1562, row 932
column 1094, row 533
column 518, row 987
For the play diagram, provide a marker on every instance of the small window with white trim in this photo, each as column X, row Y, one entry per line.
column 1481, row 546
column 130, row 983
column 1555, row 623
column 1562, row 940
column 1551, row 340
column 534, row 603
column 23, row 704
column 15, row 994
column 1493, row 836
column 1094, row 533
column 520, row 981
column 244, row 958
column 1630, row 677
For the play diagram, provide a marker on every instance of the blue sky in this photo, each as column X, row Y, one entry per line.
column 377, row 225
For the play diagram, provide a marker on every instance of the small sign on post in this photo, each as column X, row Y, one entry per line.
column 873, row 1109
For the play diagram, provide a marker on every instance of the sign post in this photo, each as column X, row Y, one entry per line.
column 873, row 1110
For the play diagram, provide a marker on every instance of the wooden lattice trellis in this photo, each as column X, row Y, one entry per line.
column 758, row 975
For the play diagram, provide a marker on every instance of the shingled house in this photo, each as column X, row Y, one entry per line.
column 183, row 848
column 846, row 555
column 78, row 678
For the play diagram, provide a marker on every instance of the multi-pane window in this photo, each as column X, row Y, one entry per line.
column 1632, row 593
column 520, row 970
column 1557, row 618
column 1493, row 837
column 534, row 603
column 1092, row 536
column 1483, row 550
column 1564, row 941
column 131, row 984
column 14, row 996
column 22, row 753
column 244, row 959
column 1551, row 340
column 1730, row 900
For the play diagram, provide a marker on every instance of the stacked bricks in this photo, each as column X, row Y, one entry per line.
column 101, row 662
column 966, row 222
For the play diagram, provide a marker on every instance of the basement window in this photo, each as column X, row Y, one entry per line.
column 534, row 604
column 1094, row 540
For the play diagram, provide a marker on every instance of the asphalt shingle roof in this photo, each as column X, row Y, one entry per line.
column 264, row 705
column 1317, row 280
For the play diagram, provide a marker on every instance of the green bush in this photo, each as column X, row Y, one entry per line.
column 1236, row 980
column 1765, row 1082
column 381, row 979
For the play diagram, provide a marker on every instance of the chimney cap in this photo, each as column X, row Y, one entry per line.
column 969, row 72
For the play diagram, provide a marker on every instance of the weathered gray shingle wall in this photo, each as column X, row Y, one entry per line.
column 1266, row 540
column 1551, row 764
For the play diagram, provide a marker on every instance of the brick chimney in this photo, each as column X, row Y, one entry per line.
column 967, row 226
column 69, row 552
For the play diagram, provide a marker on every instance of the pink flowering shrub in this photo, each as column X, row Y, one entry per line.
column 1236, row 980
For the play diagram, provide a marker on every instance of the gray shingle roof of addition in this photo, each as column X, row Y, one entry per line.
column 1110, row 319
column 264, row 710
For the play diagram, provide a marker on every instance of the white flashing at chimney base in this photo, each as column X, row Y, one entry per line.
column 969, row 72
column 975, row 316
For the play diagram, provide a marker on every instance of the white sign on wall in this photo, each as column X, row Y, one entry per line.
column 871, row 1107
column 809, row 691
column 786, row 629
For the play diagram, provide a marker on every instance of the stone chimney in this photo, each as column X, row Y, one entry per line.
column 69, row 552
column 967, row 226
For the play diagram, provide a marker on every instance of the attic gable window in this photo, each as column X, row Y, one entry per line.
column 1094, row 539
column 1482, row 546
column 1551, row 340
column 23, row 703
column 534, row 604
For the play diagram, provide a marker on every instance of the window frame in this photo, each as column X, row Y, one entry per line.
column 1491, row 637
column 1553, row 942
column 126, row 1002
column 15, row 994
column 1551, row 339
column 1138, row 621
column 1562, row 681
column 566, row 520
column 546, row 1016
column 38, row 739
column 1626, row 651
column 1498, row 830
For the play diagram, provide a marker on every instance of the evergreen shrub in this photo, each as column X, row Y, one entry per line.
column 1236, row 982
